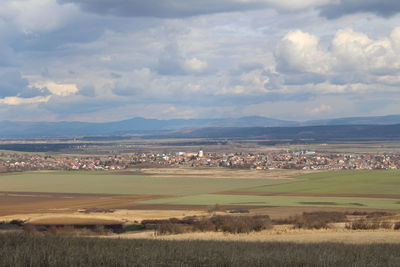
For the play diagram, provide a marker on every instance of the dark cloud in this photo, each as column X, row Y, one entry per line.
column 165, row 9
column 12, row 84
column 385, row 8
column 124, row 91
column 88, row 91
column 173, row 62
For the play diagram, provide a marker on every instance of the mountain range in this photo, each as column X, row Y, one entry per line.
column 11, row 129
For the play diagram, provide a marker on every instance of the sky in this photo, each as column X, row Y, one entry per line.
column 109, row 60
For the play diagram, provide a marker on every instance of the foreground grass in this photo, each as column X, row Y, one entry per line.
column 31, row 250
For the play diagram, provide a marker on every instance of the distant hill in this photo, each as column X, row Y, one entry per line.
column 9, row 129
column 378, row 120
column 304, row 133
column 132, row 126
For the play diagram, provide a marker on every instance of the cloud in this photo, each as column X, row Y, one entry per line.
column 187, row 8
column 59, row 89
column 173, row 62
column 350, row 58
column 14, row 101
column 133, row 83
column 12, row 84
column 385, row 8
column 321, row 109
column 32, row 16
column 299, row 51
column 194, row 65
column 71, row 59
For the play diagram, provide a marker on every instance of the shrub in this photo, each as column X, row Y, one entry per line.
column 397, row 226
column 8, row 226
column 364, row 224
column 386, row 225
column 288, row 220
column 30, row 229
column 357, row 213
column 239, row 211
column 214, row 208
column 226, row 223
column 241, row 224
column 204, row 225
column 101, row 230
column 376, row 214
column 317, row 220
column 170, row 228
column 17, row 222
column 133, row 227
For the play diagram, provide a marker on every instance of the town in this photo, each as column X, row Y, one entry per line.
column 306, row 160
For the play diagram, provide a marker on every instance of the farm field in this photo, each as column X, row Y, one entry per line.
column 72, row 198
column 277, row 201
column 90, row 183
column 368, row 182
column 177, row 190
column 346, row 189
column 66, row 192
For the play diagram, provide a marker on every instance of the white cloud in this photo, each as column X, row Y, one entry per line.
column 13, row 100
column 194, row 65
column 353, row 60
column 202, row 65
column 59, row 89
column 33, row 16
column 301, row 52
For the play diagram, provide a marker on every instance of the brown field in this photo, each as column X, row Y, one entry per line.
column 219, row 173
column 70, row 209
column 20, row 203
column 57, row 203
column 32, row 206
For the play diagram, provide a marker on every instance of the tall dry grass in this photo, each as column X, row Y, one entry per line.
column 54, row 250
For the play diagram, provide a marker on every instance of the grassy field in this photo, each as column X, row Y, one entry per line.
column 31, row 250
column 288, row 201
column 341, row 182
column 341, row 189
column 90, row 183
column 344, row 189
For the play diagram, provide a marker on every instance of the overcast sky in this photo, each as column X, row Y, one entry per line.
column 106, row 60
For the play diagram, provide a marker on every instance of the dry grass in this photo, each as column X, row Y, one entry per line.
column 56, row 250
column 66, row 220
column 118, row 215
column 280, row 234
column 314, row 220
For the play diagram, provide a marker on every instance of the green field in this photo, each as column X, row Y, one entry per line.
column 341, row 182
column 92, row 183
column 361, row 184
column 362, row 189
column 274, row 201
